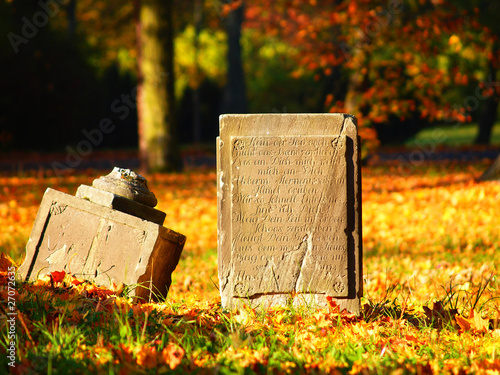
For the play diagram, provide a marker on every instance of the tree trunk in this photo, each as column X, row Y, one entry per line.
column 489, row 110
column 198, row 19
column 71, row 12
column 235, row 100
column 488, row 118
column 158, row 146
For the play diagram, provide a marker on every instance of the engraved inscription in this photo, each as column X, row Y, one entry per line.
column 57, row 208
column 289, row 215
column 141, row 237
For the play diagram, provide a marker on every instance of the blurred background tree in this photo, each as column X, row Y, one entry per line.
column 398, row 66
column 486, row 14
column 158, row 144
column 235, row 100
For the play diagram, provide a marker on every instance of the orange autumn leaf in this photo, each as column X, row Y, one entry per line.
column 5, row 262
column 123, row 353
column 100, row 292
column 491, row 365
column 334, row 308
column 147, row 357
column 117, row 288
column 58, row 276
column 332, row 305
column 474, row 323
column 76, row 281
column 172, row 355
column 464, row 324
column 412, row 339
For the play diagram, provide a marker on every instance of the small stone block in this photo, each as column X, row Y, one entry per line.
column 101, row 244
column 289, row 210
column 117, row 202
column 128, row 184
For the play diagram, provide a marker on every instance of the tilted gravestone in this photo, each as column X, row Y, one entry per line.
column 289, row 210
column 108, row 233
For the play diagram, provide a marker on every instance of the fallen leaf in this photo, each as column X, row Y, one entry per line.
column 493, row 365
column 6, row 262
column 172, row 355
column 474, row 323
column 58, row 276
column 438, row 316
column 147, row 357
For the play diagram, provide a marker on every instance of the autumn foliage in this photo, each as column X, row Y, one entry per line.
column 397, row 65
column 430, row 305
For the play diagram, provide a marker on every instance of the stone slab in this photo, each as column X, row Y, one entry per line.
column 289, row 210
column 117, row 202
column 98, row 243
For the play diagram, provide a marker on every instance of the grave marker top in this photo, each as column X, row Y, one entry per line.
column 128, row 184
column 289, row 209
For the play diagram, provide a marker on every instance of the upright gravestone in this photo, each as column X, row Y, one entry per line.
column 108, row 233
column 289, row 210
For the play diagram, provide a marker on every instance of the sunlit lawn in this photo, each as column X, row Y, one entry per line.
column 452, row 135
column 431, row 255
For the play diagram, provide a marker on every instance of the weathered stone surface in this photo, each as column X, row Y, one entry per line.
column 117, row 202
column 289, row 210
column 128, row 184
column 98, row 243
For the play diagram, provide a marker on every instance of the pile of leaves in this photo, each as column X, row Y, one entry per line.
column 431, row 292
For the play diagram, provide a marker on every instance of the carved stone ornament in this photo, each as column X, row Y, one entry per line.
column 128, row 184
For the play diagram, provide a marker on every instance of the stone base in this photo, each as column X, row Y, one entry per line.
column 100, row 244
column 265, row 301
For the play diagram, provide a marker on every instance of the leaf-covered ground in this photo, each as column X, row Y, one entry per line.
column 431, row 289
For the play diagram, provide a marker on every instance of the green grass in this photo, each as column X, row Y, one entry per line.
column 445, row 135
